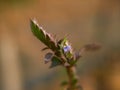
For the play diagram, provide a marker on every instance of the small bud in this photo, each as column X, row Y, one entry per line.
column 48, row 57
column 77, row 55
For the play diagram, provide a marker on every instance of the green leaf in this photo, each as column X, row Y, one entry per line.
column 72, row 62
column 55, row 62
column 64, row 83
column 37, row 31
column 43, row 36
column 74, row 81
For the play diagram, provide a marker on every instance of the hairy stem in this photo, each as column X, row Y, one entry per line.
column 73, row 80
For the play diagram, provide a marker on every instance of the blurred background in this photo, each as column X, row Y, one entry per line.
column 83, row 21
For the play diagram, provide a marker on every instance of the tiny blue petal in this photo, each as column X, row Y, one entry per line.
column 67, row 48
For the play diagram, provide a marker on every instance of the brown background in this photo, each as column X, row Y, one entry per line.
column 83, row 21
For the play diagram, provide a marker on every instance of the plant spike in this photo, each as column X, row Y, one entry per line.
column 62, row 54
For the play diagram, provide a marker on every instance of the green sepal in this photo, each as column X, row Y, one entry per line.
column 69, row 55
column 61, row 42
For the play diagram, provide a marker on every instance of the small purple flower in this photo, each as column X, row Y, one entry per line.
column 67, row 48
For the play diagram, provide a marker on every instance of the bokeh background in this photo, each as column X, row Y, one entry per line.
column 83, row 21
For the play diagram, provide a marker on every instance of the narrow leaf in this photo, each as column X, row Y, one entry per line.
column 89, row 47
column 42, row 35
column 92, row 47
column 37, row 31
column 45, row 48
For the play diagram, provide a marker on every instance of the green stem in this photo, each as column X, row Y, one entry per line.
column 73, row 80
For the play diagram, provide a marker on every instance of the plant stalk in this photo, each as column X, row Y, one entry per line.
column 72, row 78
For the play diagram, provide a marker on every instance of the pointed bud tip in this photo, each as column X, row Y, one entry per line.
column 34, row 21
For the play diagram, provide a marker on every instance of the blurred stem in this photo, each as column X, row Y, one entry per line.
column 71, row 72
